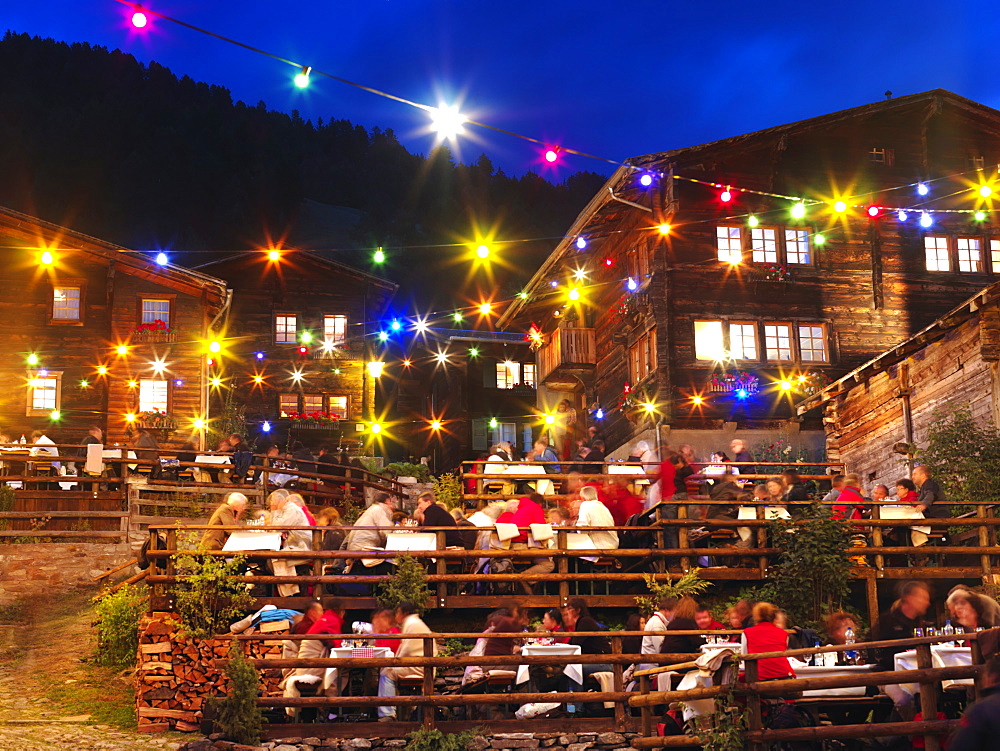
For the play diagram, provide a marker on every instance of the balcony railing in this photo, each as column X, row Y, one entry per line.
column 566, row 348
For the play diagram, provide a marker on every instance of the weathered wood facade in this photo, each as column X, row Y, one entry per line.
column 298, row 339
column 720, row 314
column 891, row 399
column 70, row 301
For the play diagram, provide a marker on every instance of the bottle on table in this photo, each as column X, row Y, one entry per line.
column 850, row 655
column 948, row 630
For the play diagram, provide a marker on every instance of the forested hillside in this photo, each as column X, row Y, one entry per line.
column 128, row 152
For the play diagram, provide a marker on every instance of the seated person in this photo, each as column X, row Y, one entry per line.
column 705, row 620
column 330, row 622
column 228, row 514
column 286, row 513
column 410, row 623
column 577, row 618
column 979, row 728
column 333, row 537
column 682, row 619
column 430, row 513
column 906, row 614
column 765, row 636
column 467, row 533
column 514, row 622
column 593, row 513
column 524, row 512
column 971, row 611
column 552, row 622
column 835, row 628
column 557, row 516
column 384, row 622
column 631, row 645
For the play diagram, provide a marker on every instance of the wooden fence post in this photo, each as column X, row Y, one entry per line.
column 619, row 683
column 428, row 689
column 928, row 695
column 756, row 721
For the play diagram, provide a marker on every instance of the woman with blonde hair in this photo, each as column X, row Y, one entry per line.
column 682, row 619
column 764, row 636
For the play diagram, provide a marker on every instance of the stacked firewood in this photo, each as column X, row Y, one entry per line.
column 176, row 674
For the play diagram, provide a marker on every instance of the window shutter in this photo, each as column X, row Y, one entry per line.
column 489, row 374
column 479, row 434
column 529, row 442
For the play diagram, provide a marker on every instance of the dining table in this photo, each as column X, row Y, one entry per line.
column 942, row 656
column 573, row 670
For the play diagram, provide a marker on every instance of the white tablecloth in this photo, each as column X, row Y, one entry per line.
column 919, row 534
column 411, row 541
column 330, row 676
column 821, row 671
column 117, row 454
column 545, row 487
column 253, row 540
column 941, row 657
column 573, row 671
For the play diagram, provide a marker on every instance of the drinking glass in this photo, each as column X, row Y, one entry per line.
column 918, row 632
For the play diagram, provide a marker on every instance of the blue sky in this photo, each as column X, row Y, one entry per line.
column 616, row 79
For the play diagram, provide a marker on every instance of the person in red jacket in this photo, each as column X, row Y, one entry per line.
column 764, row 636
column 850, row 503
column 331, row 622
column 705, row 620
column 524, row 512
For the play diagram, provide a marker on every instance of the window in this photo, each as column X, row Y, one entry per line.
column 778, row 342
column 153, row 395
column 995, row 256
column 44, row 393
column 338, row 406
column 729, row 243
column 743, row 341
column 287, row 404
column 642, row 357
column 764, row 244
column 977, row 162
column 312, row 403
column 528, row 374
column 812, row 343
column 335, row 329
column 285, row 328
column 883, row 156
column 155, row 310
column 969, row 254
column 504, row 431
column 936, row 250
column 66, row 304
column 708, row 344
column 797, row 246
column 508, row 374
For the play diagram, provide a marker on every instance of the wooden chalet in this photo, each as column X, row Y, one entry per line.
column 97, row 334
column 732, row 285
column 872, row 414
column 297, row 347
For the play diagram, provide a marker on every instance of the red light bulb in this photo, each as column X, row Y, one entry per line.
column 608, row 262
column 552, row 154
column 303, row 350
column 726, row 196
column 873, row 211
column 139, row 18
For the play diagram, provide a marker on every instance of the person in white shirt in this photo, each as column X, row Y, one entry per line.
column 44, row 445
column 379, row 514
column 657, row 622
column 285, row 513
column 593, row 513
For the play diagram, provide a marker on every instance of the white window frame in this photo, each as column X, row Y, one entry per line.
column 937, row 253
column 154, row 395
column 743, row 340
column 286, row 325
column 969, row 254
column 705, row 341
column 335, row 328
column 797, row 248
column 284, row 404
column 764, row 244
column 778, row 346
column 154, row 315
column 71, row 312
column 338, row 404
column 528, row 374
column 995, row 256
column 309, row 403
column 729, row 244
column 508, row 374
column 50, row 396
column 808, row 340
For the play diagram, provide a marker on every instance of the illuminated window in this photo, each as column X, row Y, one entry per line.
column 285, row 328
column 970, row 255
column 936, row 250
column 708, row 344
column 764, row 245
column 778, row 342
column 153, row 395
column 508, row 374
column 995, row 256
column 155, row 310
column 44, row 393
column 528, row 374
column 743, row 341
column 812, row 343
column 287, row 404
column 338, row 406
column 66, row 304
column 312, row 403
column 335, row 329
column 797, row 246
column 729, row 244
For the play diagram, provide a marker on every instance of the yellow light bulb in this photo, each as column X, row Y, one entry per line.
column 785, row 385
column 215, row 347
column 132, row 384
column 199, row 424
column 483, row 251
column 550, row 419
column 485, row 308
column 574, row 294
column 258, row 379
column 130, row 417
column 649, row 407
column 102, row 370
column 46, row 258
column 121, row 349
column 840, row 207
column 216, row 382
column 274, row 255
column 54, row 414
column 985, row 191
column 696, row 400
column 376, row 428
column 663, row 229
column 435, row 425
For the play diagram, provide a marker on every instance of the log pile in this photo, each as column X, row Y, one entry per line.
column 176, row 674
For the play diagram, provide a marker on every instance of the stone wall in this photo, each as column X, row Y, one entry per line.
column 37, row 568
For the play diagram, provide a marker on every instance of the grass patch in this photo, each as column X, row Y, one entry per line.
column 13, row 613
column 103, row 694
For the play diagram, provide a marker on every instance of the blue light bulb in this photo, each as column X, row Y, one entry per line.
column 741, row 394
column 161, row 259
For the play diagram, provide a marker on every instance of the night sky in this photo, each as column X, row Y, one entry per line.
column 616, row 79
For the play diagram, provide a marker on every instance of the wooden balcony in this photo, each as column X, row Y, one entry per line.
column 568, row 353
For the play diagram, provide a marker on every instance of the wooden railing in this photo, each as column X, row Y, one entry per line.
column 752, row 693
column 566, row 346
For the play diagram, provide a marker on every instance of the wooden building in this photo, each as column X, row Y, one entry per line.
column 891, row 399
column 299, row 354
column 707, row 289
column 96, row 334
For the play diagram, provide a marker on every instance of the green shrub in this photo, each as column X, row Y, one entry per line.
column 206, row 596
column 689, row 584
column 408, row 584
column 239, row 716
column 448, row 489
column 406, row 469
column 118, row 615
column 435, row 740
